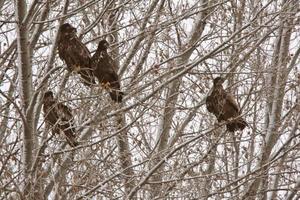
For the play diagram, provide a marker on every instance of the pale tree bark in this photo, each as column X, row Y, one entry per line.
column 235, row 62
column 161, row 142
column 204, row 186
column 61, row 172
column 294, row 191
column 4, row 122
column 134, row 48
column 281, row 152
column 25, row 90
column 280, row 166
column 276, row 101
column 207, row 183
column 8, row 52
column 36, row 33
column 173, row 91
column 165, row 123
column 150, row 37
column 125, row 156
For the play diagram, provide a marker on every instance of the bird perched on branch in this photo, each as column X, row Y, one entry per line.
column 75, row 54
column 224, row 107
column 59, row 117
column 105, row 71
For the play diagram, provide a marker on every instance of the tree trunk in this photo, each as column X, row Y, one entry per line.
column 165, row 123
column 25, row 90
column 275, row 100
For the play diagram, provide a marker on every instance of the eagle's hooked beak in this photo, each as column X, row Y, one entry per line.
column 219, row 81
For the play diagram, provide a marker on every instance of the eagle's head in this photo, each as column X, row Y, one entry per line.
column 67, row 29
column 103, row 45
column 48, row 95
column 218, row 81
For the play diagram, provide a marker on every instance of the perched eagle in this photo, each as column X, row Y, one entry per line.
column 105, row 71
column 75, row 54
column 59, row 117
column 224, row 107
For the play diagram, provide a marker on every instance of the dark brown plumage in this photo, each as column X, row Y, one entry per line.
column 224, row 107
column 59, row 117
column 75, row 54
column 105, row 71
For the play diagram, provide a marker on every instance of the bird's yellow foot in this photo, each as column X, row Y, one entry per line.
column 77, row 68
column 105, row 85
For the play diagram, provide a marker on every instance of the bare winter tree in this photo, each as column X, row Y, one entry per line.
column 160, row 142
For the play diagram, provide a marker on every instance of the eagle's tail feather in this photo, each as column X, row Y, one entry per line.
column 70, row 136
column 237, row 124
column 116, row 95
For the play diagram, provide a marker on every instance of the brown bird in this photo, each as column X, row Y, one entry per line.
column 106, row 71
column 59, row 117
column 224, row 107
column 75, row 54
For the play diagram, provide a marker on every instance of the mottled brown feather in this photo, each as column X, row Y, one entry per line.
column 105, row 71
column 224, row 107
column 231, row 101
column 75, row 54
column 59, row 117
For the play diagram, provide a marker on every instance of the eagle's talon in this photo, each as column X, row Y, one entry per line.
column 77, row 68
column 105, row 85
